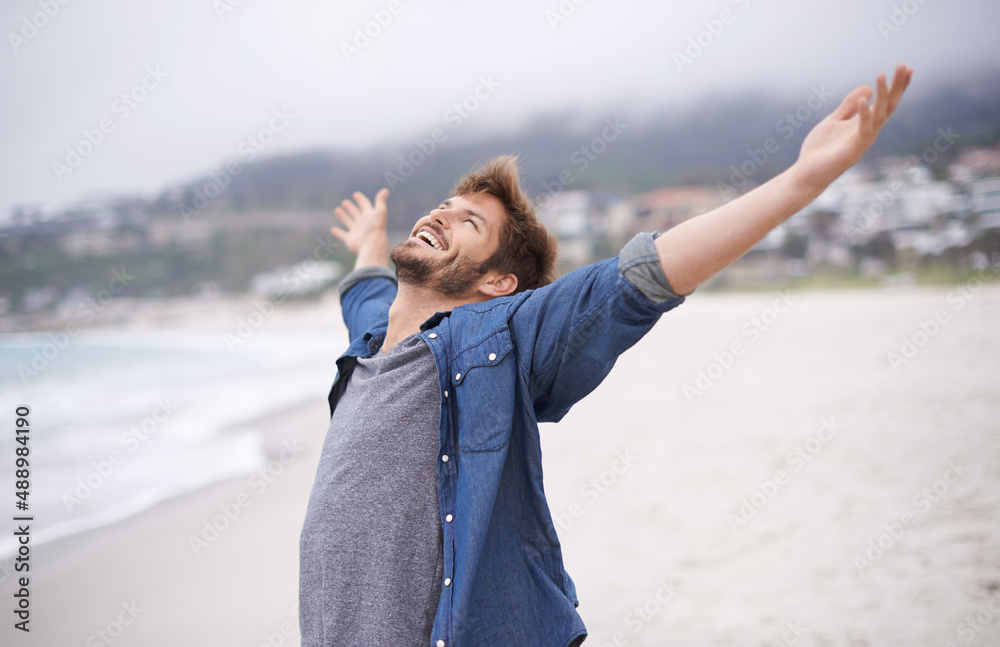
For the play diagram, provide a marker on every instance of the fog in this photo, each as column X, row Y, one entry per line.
column 200, row 77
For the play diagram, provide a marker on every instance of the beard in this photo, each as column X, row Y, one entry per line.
column 446, row 276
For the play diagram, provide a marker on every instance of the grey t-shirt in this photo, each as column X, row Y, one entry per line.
column 371, row 546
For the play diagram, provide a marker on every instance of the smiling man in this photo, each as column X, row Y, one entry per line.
column 427, row 523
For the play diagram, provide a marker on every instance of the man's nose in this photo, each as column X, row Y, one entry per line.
column 442, row 218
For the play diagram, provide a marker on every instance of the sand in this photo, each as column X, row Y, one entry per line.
column 239, row 587
column 646, row 479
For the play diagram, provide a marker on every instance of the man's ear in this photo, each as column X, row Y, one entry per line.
column 497, row 285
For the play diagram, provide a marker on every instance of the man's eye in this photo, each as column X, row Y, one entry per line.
column 473, row 223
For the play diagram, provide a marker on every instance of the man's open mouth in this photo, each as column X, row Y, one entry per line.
column 429, row 238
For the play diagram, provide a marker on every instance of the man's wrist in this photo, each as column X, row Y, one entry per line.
column 801, row 187
column 374, row 251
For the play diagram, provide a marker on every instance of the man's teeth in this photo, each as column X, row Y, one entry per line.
column 430, row 239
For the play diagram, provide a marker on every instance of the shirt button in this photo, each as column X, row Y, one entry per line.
column 444, row 459
column 493, row 356
column 439, row 643
column 448, row 518
column 458, row 376
column 447, row 581
column 433, row 335
column 446, row 394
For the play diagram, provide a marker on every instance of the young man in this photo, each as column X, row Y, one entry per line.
column 427, row 523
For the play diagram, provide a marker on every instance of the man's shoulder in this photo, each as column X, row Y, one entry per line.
column 506, row 306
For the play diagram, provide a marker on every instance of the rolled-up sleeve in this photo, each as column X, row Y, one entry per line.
column 639, row 264
column 570, row 333
column 362, row 273
column 365, row 297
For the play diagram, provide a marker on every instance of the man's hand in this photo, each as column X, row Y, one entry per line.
column 697, row 249
column 364, row 228
column 839, row 141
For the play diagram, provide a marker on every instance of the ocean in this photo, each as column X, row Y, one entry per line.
column 121, row 420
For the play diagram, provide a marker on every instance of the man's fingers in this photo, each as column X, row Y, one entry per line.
column 351, row 208
column 381, row 197
column 339, row 233
column 849, row 106
column 344, row 217
column 880, row 109
column 362, row 201
column 900, row 81
column 866, row 117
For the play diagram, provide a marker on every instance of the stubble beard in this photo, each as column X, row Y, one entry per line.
column 448, row 277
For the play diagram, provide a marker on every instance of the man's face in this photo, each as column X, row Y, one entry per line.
column 447, row 249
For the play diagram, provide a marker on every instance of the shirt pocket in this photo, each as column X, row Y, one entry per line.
column 483, row 380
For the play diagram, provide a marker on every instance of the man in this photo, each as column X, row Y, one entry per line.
column 427, row 522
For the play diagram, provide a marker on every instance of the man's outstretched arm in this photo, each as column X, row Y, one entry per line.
column 694, row 251
column 364, row 234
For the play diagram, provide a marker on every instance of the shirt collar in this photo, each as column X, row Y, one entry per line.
column 434, row 320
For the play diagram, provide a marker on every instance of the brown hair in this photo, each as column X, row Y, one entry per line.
column 527, row 250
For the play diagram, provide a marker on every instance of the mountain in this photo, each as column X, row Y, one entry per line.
column 663, row 148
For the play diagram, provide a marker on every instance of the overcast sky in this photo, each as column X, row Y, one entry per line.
column 215, row 72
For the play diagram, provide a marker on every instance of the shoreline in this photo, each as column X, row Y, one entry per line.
column 81, row 582
column 181, row 314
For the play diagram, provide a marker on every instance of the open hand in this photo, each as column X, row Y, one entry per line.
column 364, row 222
column 839, row 141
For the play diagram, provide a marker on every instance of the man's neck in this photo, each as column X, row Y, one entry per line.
column 413, row 306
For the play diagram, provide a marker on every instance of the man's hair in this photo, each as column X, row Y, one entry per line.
column 527, row 250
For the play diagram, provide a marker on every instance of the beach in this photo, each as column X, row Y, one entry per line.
column 816, row 468
column 236, row 588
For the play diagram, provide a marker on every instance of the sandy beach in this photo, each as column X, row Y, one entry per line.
column 816, row 468
column 189, row 585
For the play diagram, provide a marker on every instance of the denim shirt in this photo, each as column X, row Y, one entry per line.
column 505, row 365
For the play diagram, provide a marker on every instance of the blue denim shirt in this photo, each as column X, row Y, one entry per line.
column 505, row 365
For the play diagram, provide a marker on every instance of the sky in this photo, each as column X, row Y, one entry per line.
column 108, row 97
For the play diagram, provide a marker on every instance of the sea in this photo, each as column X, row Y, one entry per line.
column 121, row 420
